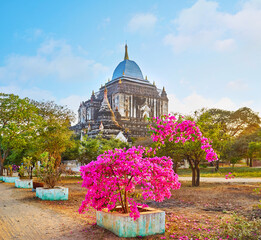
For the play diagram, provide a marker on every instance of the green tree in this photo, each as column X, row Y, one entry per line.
column 91, row 148
column 236, row 123
column 191, row 151
column 18, row 123
column 54, row 134
column 254, row 151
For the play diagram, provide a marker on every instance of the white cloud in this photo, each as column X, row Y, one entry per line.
column 237, row 85
column 54, row 58
column 32, row 93
column 72, row 102
column 142, row 22
column 224, row 45
column 195, row 102
column 204, row 26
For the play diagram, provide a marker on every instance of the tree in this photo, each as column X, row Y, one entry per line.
column 91, row 148
column 185, row 136
column 54, row 134
column 17, row 124
column 236, row 123
column 254, row 151
column 116, row 174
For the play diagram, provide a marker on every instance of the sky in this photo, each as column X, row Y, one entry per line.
column 207, row 53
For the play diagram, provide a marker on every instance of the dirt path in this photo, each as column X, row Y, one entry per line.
column 224, row 180
column 23, row 221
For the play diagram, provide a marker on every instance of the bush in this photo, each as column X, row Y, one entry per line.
column 113, row 178
column 241, row 229
column 47, row 172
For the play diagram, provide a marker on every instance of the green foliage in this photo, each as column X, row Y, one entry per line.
column 21, row 171
column 54, row 133
column 91, row 148
column 18, row 123
column 241, row 228
column 254, row 149
column 28, row 165
column 72, row 152
column 48, row 172
column 9, row 169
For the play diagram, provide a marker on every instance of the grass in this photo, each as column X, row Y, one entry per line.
column 243, row 172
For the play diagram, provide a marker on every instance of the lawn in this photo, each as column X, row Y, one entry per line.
column 244, row 172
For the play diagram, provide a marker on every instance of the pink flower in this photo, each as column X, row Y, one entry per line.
column 118, row 171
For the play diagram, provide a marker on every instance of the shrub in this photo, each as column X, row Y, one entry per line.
column 48, row 173
column 115, row 175
column 240, row 228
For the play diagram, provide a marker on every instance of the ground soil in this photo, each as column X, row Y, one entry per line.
column 23, row 216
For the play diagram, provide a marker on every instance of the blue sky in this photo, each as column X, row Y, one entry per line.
column 206, row 53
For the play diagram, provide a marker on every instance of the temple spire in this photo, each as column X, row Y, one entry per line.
column 126, row 57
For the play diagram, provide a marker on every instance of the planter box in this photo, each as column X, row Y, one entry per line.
column 52, row 194
column 26, row 183
column 1, row 178
column 150, row 222
column 10, row 179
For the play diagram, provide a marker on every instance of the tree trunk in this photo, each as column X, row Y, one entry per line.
column 1, row 167
column 217, row 166
column 251, row 162
column 198, row 175
column 175, row 167
column 2, row 160
column 247, row 162
column 193, row 176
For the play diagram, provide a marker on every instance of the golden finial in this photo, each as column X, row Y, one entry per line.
column 126, row 57
column 154, row 83
column 123, row 73
column 120, row 81
column 92, row 92
column 163, row 89
column 146, row 78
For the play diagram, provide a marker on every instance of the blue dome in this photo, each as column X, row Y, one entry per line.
column 129, row 68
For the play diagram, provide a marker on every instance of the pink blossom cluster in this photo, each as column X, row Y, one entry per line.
column 168, row 128
column 112, row 179
column 230, row 175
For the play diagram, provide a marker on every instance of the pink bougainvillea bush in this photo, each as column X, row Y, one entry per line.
column 168, row 128
column 112, row 179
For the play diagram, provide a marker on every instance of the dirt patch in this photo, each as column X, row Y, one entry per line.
column 188, row 209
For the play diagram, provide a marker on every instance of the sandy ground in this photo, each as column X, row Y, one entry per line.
column 23, row 216
column 24, row 220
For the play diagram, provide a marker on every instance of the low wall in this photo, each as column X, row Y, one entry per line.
column 25, row 183
column 52, row 194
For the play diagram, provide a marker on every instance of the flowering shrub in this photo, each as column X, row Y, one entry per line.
column 230, row 175
column 115, row 175
column 169, row 129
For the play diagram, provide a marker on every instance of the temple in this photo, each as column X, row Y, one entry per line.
column 122, row 106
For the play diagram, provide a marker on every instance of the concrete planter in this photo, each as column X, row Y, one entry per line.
column 25, row 183
column 10, row 179
column 149, row 223
column 52, row 194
